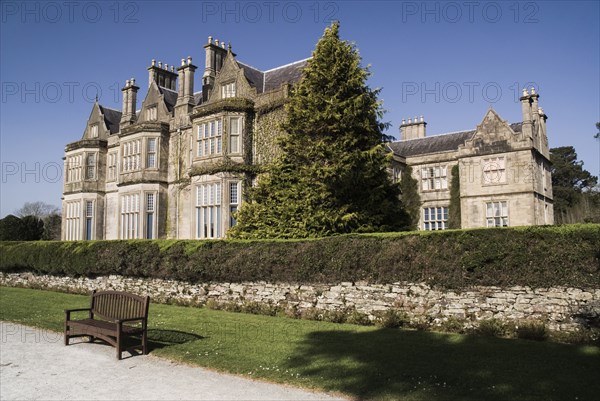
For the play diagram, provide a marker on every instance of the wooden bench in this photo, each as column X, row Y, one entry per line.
column 113, row 316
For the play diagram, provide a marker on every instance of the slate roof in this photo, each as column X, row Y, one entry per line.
column 254, row 76
column 265, row 81
column 290, row 73
column 170, row 97
column 111, row 118
column 438, row 143
column 197, row 98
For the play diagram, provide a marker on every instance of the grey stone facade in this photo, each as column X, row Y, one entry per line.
column 504, row 169
column 177, row 167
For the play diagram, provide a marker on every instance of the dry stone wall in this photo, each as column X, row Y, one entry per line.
column 559, row 307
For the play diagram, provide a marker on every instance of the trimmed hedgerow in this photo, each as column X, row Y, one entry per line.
column 534, row 256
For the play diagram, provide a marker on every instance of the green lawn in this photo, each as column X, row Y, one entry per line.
column 362, row 362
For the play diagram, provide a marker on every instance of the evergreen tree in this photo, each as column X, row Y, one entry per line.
column 454, row 207
column 409, row 188
column 332, row 174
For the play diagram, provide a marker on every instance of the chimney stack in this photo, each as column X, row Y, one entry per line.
column 161, row 75
column 185, row 93
column 412, row 129
column 129, row 103
column 215, row 56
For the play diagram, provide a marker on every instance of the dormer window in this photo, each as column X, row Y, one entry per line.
column 228, row 90
column 151, row 113
column 94, row 131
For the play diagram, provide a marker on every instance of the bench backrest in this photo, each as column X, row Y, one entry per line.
column 114, row 305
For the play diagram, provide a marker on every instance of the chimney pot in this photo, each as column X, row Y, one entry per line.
column 172, row 68
column 126, row 83
column 409, row 120
column 532, row 90
column 403, row 121
column 222, row 45
column 210, row 40
column 525, row 92
column 182, row 62
column 422, row 120
column 217, row 42
column 166, row 66
column 160, row 64
column 153, row 62
column 132, row 81
column 189, row 60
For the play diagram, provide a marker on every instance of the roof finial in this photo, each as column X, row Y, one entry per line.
column 96, row 97
column 229, row 46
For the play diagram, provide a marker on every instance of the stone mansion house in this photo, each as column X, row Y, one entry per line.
column 176, row 167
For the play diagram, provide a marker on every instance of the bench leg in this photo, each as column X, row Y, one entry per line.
column 66, row 333
column 119, row 345
column 144, row 343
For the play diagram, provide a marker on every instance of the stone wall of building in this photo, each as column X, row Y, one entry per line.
column 558, row 307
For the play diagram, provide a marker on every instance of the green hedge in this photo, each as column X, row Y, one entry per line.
column 534, row 256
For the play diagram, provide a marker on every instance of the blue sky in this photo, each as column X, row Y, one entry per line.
column 448, row 61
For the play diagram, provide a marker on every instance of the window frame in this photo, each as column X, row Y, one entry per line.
column 436, row 221
column 503, row 217
column 228, row 90
column 434, row 178
column 209, row 210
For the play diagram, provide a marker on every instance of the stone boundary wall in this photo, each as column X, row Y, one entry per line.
column 559, row 307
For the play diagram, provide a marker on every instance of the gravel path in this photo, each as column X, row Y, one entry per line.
column 35, row 365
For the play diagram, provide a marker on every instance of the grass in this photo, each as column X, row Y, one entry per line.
column 361, row 362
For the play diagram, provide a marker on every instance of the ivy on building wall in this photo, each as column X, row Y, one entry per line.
column 454, row 214
column 409, row 189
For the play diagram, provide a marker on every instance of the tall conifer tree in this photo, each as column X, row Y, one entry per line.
column 332, row 175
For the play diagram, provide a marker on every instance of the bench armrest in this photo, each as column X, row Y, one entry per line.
column 68, row 312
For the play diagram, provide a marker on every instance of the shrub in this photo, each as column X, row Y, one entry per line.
column 356, row 317
column 532, row 256
column 452, row 325
column 391, row 319
column 491, row 328
column 532, row 330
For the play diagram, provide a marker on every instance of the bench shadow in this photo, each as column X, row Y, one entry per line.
column 161, row 338
column 402, row 364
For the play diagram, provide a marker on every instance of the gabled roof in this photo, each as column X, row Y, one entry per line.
column 254, row 76
column 265, row 81
column 197, row 98
column 112, row 118
column 439, row 143
column 170, row 97
column 290, row 73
